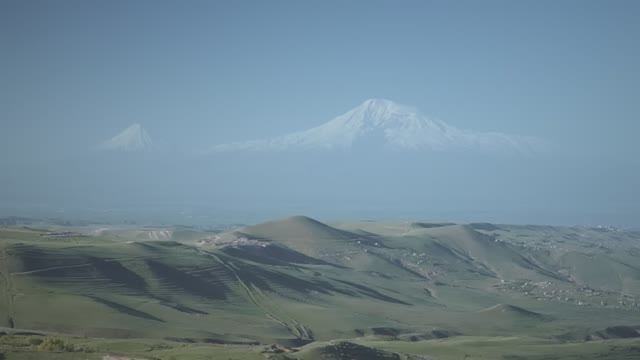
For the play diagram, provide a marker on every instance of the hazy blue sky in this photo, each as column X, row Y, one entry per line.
column 199, row 73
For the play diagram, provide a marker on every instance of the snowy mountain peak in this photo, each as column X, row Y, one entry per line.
column 382, row 107
column 380, row 112
column 383, row 123
column 133, row 138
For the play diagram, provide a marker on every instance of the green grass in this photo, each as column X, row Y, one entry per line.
column 463, row 347
column 514, row 348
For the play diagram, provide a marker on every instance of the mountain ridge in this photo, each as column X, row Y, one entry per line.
column 384, row 123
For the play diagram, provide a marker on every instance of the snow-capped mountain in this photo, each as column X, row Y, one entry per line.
column 386, row 124
column 133, row 138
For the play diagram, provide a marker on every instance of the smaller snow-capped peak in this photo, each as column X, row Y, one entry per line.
column 133, row 138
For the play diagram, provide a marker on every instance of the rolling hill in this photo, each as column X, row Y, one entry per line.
column 299, row 281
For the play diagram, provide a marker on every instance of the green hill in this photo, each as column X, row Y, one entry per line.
column 300, row 282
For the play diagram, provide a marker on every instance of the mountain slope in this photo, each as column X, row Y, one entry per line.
column 321, row 241
column 383, row 123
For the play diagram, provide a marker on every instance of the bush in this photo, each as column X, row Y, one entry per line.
column 35, row 341
column 14, row 341
column 53, row 344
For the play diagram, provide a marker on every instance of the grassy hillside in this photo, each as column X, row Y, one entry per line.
column 388, row 290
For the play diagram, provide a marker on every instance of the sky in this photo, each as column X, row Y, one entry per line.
column 200, row 73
